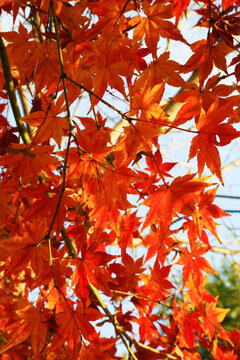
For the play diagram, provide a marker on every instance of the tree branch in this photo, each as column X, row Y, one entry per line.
column 115, row 323
column 121, row 332
column 11, row 93
column 52, row 9
column 68, row 243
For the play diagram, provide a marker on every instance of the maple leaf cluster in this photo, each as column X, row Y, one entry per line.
column 68, row 225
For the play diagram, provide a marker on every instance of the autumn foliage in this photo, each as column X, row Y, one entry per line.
column 76, row 192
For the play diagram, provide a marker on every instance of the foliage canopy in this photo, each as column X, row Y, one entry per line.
column 68, row 180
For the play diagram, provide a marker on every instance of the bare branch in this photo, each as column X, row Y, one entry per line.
column 11, row 93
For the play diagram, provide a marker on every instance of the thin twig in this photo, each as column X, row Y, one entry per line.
column 68, row 243
column 213, row 248
column 121, row 332
column 100, row 99
column 115, row 323
column 137, row 296
column 52, row 9
column 228, row 197
column 122, row 11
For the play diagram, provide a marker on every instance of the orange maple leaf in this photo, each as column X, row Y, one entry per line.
column 205, row 55
column 90, row 266
column 166, row 198
column 147, row 328
column 31, row 325
column 212, row 317
column 45, row 205
column 153, row 25
column 116, row 181
column 208, row 212
column 125, row 227
column 179, row 6
column 147, row 101
column 193, row 262
column 205, row 143
column 158, row 285
column 26, row 248
column 103, row 349
column 19, row 42
column 45, row 56
column 157, row 166
column 27, row 161
column 161, row 70
column 73, row 324
column 49, row 124
column 109, row 73
column 193, row 102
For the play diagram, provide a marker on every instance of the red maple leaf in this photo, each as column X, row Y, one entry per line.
column 30, row 326
column 49, row 124
column 166, row 198
column 193, row 262
column 211, row 318
column 205, row 143
column 154, row 25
